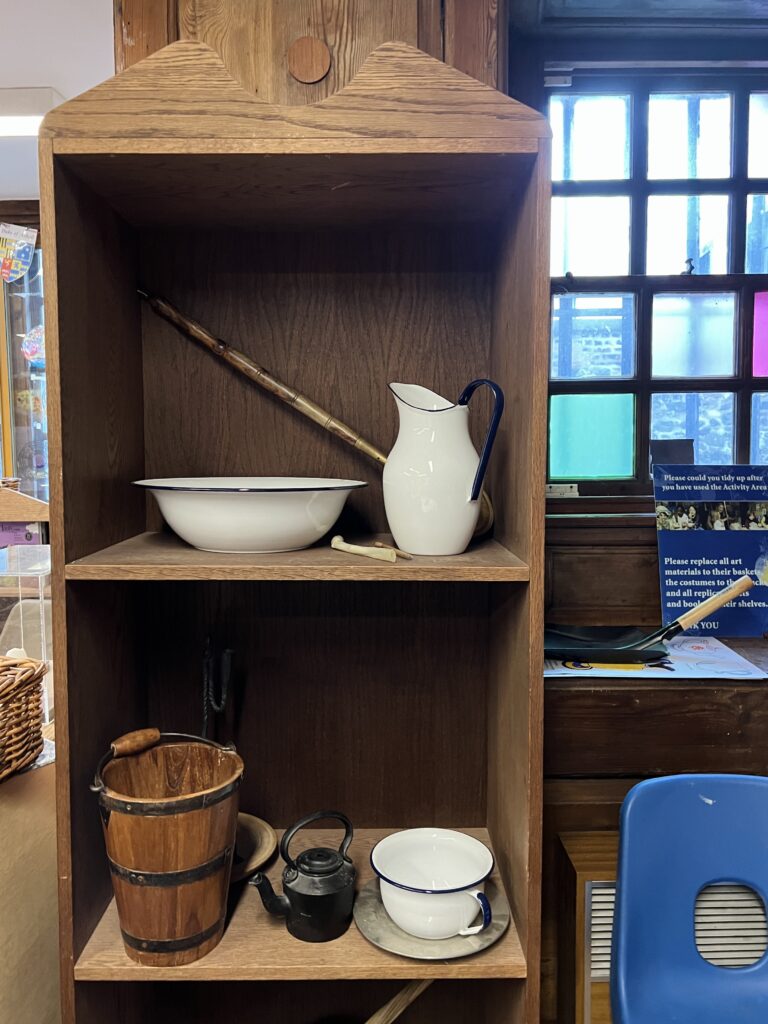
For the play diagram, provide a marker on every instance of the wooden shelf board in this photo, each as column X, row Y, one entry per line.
column 257, row 947
column 163, row 556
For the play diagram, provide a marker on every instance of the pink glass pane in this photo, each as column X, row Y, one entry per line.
column 760, row 336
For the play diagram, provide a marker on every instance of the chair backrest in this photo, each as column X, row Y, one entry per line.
column 678, row 835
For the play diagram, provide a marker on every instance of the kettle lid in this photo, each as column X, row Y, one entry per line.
column 319, row 861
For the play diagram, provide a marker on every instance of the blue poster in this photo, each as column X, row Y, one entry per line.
column 712, row 527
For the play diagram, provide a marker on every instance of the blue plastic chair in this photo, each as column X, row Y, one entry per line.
column 678, row 835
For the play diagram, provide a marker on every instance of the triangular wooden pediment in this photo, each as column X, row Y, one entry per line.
column 401, row 100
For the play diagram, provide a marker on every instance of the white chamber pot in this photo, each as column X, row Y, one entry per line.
column 250, row 514
column 432, row 881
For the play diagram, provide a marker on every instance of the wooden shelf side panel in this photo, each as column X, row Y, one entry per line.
column 519, row 361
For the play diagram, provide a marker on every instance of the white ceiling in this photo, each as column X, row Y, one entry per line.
column 65, row 44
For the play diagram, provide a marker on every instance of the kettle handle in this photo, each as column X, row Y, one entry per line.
column 493, row 426
column 317, row 816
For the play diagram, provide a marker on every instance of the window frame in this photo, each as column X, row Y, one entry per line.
column 639, row 84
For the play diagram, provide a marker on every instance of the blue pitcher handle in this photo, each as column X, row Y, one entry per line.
column 493, row 426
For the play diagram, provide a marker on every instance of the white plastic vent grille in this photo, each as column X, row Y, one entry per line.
column 731, row 930
column 731, row 927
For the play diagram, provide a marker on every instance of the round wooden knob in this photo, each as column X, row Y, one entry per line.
column 309, row 59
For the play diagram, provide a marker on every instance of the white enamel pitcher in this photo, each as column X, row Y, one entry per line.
column 433, row 476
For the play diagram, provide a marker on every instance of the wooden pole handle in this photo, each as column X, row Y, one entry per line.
column 135, row 742
column 701, row 611
column 399, row 1003
column 301, row 403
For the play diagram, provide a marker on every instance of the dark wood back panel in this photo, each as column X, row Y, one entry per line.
column 335, row 315
column 107, row 697
column 369, row 698
column 96, row 332
column 297, row 1002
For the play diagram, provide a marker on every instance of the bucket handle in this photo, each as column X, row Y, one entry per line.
column 135, row 742
column 144, row 739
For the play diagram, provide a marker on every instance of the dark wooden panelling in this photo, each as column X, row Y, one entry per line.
column 431, row 28
column 472, row 34
column 141, row 27
column 253, row 37
column 571, row 805
column 659, row 10
column 602, row 585
column 25, row 212
column 602, row 570
column 622, row 727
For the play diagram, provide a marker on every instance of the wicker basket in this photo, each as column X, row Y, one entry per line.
column 21, row 713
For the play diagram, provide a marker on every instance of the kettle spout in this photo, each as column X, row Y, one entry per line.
column 273, row 903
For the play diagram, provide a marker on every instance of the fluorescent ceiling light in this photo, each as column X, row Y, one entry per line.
column 22, row 110
column 18, row 125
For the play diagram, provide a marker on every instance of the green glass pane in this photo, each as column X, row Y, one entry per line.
column 591, row 437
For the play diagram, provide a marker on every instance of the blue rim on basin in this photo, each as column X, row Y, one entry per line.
column 432, row 892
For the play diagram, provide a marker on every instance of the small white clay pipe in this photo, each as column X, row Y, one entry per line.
column 382, row 554
column 391, row 547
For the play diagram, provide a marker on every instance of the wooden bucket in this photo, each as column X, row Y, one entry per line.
column 168, row 805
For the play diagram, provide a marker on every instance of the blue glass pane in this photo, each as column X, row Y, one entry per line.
column 590, row 137
column 757, row 235
column 693, row 334
column 758, row 448
column 590, row 235
column 687, row 227
column 593, row 336
column 689, row 135
column 591, row 437
column 706, row 417
column 758, row 135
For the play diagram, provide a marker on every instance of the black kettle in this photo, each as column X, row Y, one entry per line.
column 318, row 887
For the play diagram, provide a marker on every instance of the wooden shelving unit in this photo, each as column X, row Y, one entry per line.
column 397, row 230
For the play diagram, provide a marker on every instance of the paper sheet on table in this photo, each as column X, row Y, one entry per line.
column 690, row 657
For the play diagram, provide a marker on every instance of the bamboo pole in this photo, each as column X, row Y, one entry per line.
column 295, row 399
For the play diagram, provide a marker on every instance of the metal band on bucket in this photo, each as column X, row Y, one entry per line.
column 171, row 945
column 149, row 809
column 169, row 879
